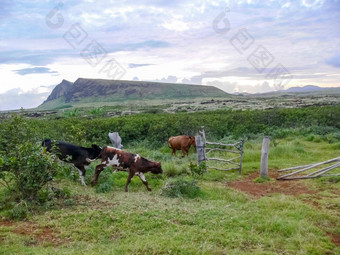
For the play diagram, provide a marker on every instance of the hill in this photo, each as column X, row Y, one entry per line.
column 308, row 90
column 87, row 91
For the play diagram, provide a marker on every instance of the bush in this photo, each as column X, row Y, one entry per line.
column 104, row 187
column 96, row 111
column 181, row 188
column 198, row 171
column 19, row 211
column 27, row 169
column 72, row 113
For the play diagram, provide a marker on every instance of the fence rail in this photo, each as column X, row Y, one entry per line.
column 203, row 151
column 318, row 173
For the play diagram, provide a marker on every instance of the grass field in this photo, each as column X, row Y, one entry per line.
column 219, row 219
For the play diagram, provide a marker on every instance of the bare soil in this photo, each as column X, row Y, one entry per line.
column 39, row 234
column 335, row 238
column 257, row 190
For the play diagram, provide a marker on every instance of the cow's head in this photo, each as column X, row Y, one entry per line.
column 192, row 141
column 96, row 151
column 157, row 168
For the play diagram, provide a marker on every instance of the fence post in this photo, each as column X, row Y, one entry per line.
column 264, row 156
column 200, row 147
column 241, row 156
column 202, row 132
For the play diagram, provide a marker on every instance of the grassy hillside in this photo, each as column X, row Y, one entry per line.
column 216, row 213
column 219, row 220
column 88, row 92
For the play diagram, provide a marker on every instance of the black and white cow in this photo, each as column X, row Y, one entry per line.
column 134, row 164
column 77, row 155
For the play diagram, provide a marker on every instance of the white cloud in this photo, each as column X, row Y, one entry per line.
column 176, row 38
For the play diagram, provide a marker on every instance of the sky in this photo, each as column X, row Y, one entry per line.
column 248, row 46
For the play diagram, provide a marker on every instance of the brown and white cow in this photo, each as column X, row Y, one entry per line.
column 182, row 142
column 125, row 161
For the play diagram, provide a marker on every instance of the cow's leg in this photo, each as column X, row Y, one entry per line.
column 183, row 153
column 131, row 173
column 82, row 172
column 99, row 169
column 142, row 177
column 173, row 152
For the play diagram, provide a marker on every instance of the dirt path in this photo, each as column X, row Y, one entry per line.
column 257, row 190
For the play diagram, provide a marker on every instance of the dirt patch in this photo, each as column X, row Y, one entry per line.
column 335, row 238
column 6, row 223
column 39, row 234
column 257, row 190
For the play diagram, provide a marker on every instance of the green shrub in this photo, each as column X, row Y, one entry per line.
column 96, row 111
column 72, row 113
column 18, row 211
column 310, row 138
column 181, row 188
column 198, row 171
column 27, row 169
column 332, row 137
column 104, row 187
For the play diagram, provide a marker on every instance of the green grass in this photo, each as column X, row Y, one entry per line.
column 219, row 220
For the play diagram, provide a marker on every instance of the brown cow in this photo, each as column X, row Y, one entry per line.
column 182, row 142
column 125, row 161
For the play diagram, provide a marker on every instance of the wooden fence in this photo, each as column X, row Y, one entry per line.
column 204, row 148
column 316, row 173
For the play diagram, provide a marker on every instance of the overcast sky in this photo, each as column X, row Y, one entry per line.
column 238, row 46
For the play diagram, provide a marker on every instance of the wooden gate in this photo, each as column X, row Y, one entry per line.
column 205, row 148
column 314, row 173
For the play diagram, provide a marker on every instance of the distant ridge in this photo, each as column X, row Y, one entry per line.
column 307, row 88
column 87, row 91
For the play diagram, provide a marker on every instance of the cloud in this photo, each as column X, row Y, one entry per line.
column 147, row 44
column 334, row 61
column 16, row 98
column 234, row 87
column 177, row 37
column 197, row 80
column 34, row 70
column 169, row 79
column 131, row 65
column 37, row 57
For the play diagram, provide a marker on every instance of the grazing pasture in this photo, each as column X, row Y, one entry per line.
column 213, row 213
